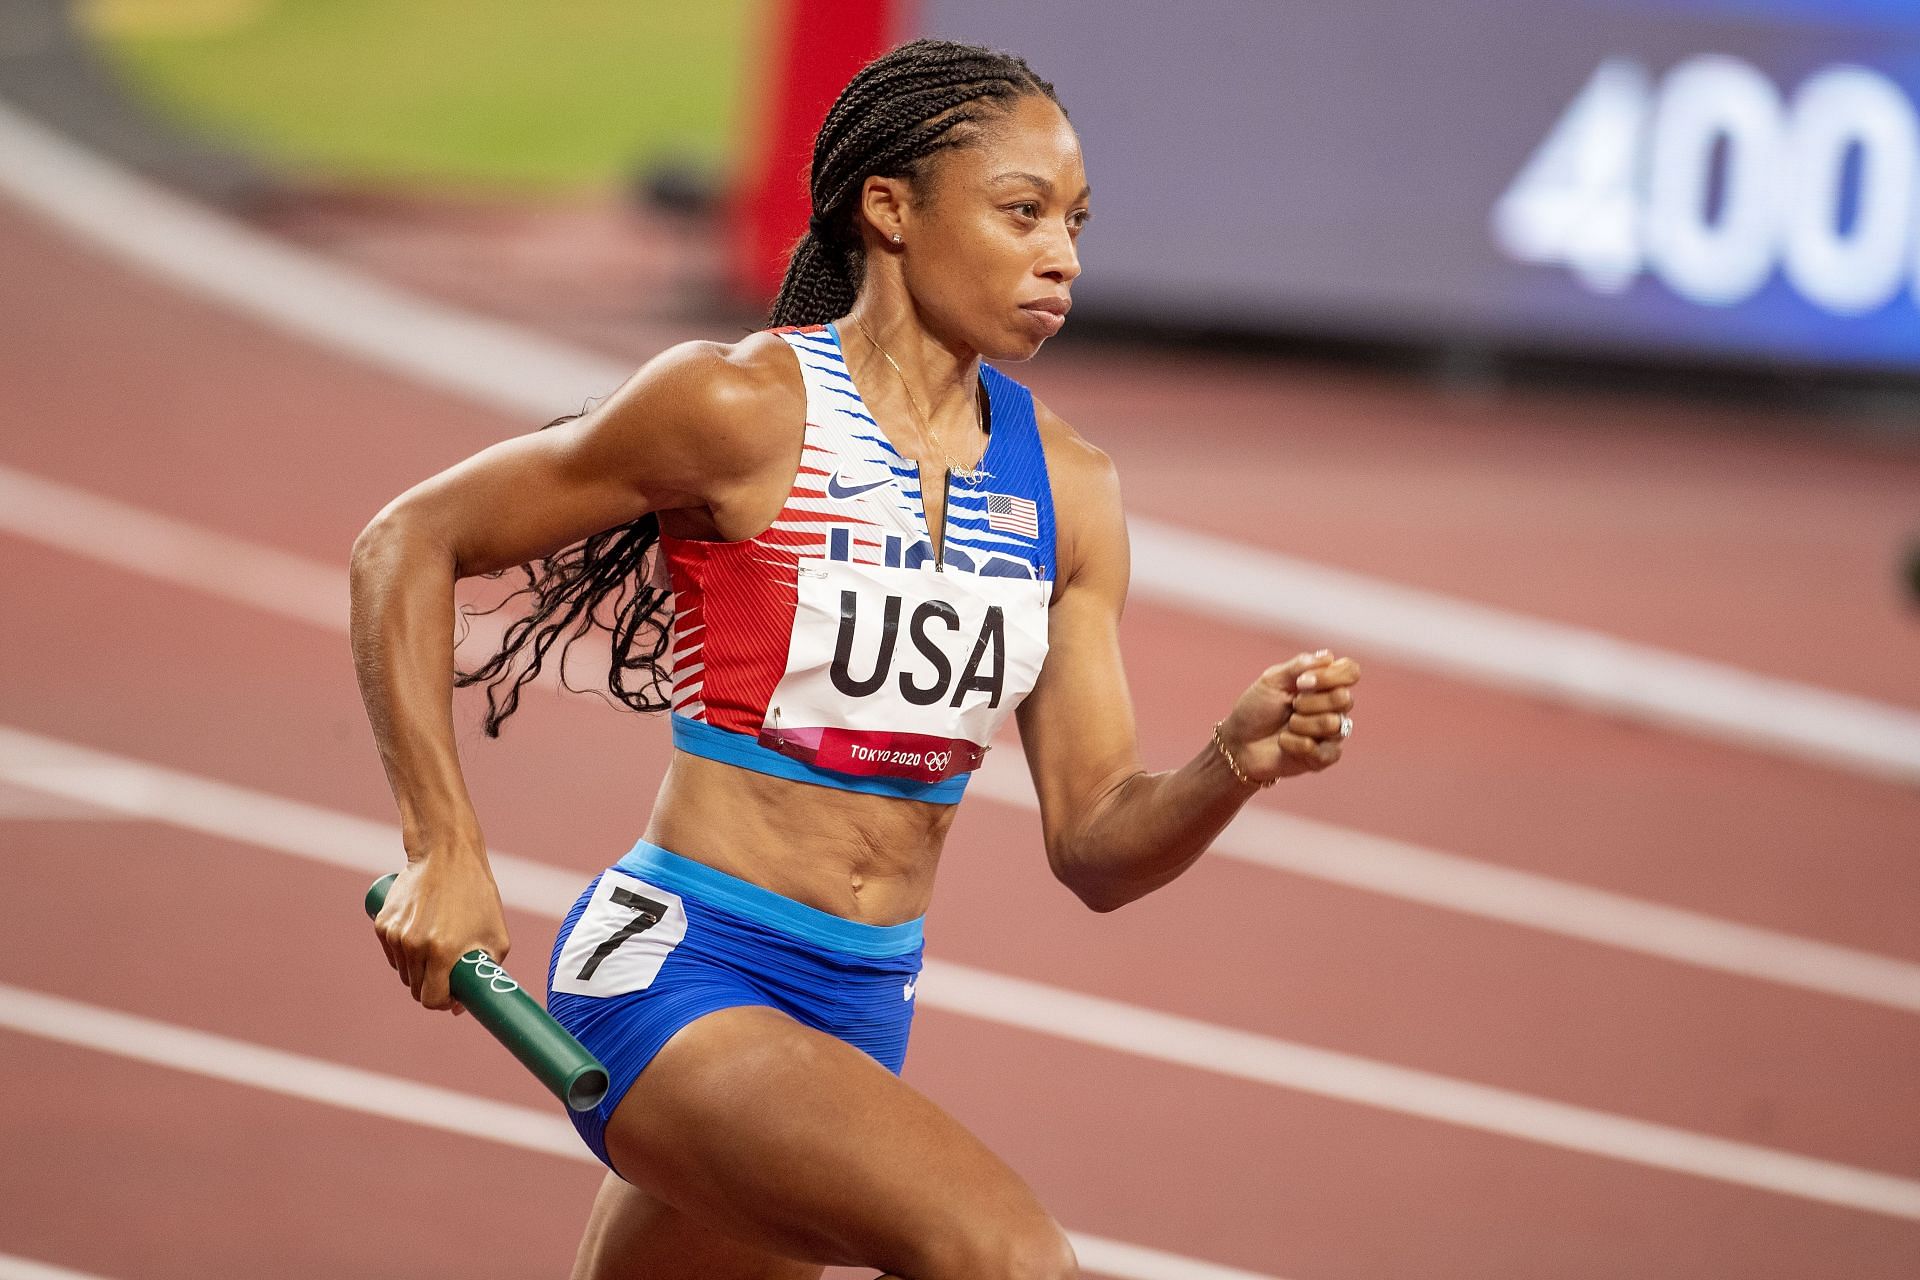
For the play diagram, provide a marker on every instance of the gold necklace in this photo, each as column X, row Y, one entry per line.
column 972, row 475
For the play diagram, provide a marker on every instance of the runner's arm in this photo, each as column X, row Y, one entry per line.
column 677, row 434
column 1113, row 831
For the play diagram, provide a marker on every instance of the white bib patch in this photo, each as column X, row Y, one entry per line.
column 620, row 941
column 904, row 672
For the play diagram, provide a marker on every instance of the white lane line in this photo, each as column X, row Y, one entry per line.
column 204, row 1053
column 509, row 369
column 271, row 823
column 1394, row 868
column 16, row 1268
column 133, row 788
column 1268, row 1060
column 487, row 362
column 188, row 555
column 1589, row 669
column 1373, row 864
column 375, row 1093
column 1112, row 1258
column 174, row 551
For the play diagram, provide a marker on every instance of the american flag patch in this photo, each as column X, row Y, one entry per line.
column 1013, row 515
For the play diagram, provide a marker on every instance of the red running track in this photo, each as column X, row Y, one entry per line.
column 1699, row 530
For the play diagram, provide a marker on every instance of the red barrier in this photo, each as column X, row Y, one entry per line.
column 811, row 50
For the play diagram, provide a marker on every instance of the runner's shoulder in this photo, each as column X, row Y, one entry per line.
column 727, row 400
column 1089, row 523
column 1077, row 469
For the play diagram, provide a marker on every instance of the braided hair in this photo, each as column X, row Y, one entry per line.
column 909, row 104
column 922, row 98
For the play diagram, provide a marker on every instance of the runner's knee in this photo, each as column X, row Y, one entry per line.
column 1033, row 1250
column 1039, row 1252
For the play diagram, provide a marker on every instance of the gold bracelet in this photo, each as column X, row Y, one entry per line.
column 1219, row 742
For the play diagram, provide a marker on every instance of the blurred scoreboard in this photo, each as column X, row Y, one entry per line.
column 1706, row 178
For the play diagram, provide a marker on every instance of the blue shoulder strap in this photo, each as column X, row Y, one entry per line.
column 1021, row 468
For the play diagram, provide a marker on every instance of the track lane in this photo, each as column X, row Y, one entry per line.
column 274, row 906
column 1772, row 843
column 252, row 493
column 1532, row 501
column 1801, row 1064
column 182, row 406
column 291, row 833
column 211, row 1179
column 332, row 490
column 1320, row 1229
column 1355, row 1173
column 1541, row 787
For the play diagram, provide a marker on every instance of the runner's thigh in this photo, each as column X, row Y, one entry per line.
column 633, row 1236
column 805, row 1146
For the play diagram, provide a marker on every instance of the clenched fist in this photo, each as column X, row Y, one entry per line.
column 1293, row 719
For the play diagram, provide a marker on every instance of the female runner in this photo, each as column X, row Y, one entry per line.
column 868, row 546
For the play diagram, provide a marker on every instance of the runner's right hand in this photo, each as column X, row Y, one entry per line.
column 440, row 908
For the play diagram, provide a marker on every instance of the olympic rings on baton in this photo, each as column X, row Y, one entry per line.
column 497, row 978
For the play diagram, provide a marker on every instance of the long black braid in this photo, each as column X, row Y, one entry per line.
column 921, row 98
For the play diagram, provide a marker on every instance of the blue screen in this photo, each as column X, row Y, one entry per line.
column 1710, row 178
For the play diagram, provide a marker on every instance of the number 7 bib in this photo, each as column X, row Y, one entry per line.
column 626, row 933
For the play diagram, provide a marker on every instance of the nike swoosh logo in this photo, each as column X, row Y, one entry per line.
column 837, row 490
column 909, row 990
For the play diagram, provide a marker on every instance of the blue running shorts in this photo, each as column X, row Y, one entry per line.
column 656, row 940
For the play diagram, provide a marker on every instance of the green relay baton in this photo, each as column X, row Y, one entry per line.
column 518, row 1022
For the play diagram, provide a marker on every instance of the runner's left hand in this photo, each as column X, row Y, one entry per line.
column 1288, row 722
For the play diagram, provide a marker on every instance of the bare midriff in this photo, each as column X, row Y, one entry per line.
column 857, row 855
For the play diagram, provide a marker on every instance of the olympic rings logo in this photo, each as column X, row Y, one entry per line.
column 937, row 760
column 499, row 979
